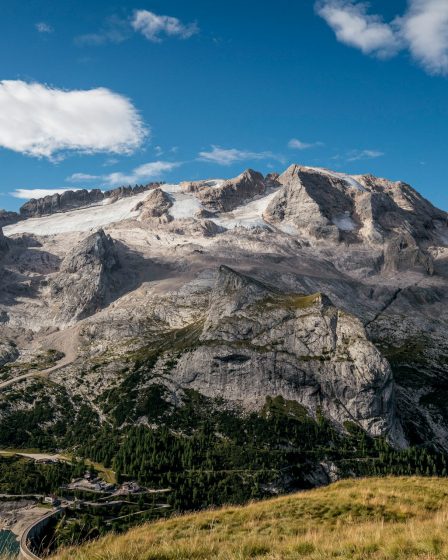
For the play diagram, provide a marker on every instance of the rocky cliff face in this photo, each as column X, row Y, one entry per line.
column 85, row 280
column 3, row 243
column 389, row 216
column 256, row 342
column 227, row 195
column 7, row 218
column 70, row 200
column 315, row 286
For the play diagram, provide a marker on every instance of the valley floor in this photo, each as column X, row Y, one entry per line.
column 375, row 518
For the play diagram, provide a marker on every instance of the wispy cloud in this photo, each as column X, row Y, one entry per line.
column 43, row 27
column 146, row 172
column 422, row 30
column 356, row 155
column 152, row 26
column 296, row 144
column 41, row 121
column 26, row 194
column 227, row 156
column 114, row 30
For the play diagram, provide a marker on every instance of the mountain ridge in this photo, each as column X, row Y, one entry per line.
column 203, row 281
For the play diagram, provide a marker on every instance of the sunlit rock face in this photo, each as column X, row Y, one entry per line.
column 321, row 287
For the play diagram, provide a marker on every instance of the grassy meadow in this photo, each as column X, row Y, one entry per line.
column 376, row 518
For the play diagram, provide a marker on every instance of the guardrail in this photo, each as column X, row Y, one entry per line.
column 33, row 531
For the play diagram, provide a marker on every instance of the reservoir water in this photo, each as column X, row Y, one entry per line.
column 8, row 543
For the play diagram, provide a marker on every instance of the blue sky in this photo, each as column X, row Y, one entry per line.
column 103, row 93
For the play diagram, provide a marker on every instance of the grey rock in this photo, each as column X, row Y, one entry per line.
column 231, row 193
column 4, row 244
column 8, row 352
column 155, row 205
column 85, row 280
column 257, row 341
column 7, row 218
column 71, row 200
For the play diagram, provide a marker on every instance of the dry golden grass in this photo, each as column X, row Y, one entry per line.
column 378, row 518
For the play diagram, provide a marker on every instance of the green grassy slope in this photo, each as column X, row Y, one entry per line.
column 379, row 518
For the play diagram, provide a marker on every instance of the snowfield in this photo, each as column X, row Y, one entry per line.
column 83, row 219
column 185, row 206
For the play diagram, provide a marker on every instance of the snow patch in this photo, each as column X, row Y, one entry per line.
column 351, row 181
column 185, row 205
column 249, row 215
column 344, row 222
column 83, row 219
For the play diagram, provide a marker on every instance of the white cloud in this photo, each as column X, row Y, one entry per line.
column 146, row 172
column 355, row 27
column 223, row 156
column 296, row 144
column 26, row 194
column 153, row 26
column 356, row 155
column 43, row 27
column 423, row 30
column 41, row 121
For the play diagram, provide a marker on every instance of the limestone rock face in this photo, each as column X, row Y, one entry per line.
column 231, row 193
column 321, row 287
column 71, row 200
column 329, row 206
column 156, row 205
column 257, row 342
column 85, row 280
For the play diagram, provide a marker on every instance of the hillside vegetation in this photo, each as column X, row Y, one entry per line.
column 376, row 518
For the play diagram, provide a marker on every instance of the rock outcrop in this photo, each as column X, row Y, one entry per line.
column 155, row 205
column 227, row 195
column 7, row 218
column 8, row 352
column 85, row 281
column 4, row 245
column 257, row 341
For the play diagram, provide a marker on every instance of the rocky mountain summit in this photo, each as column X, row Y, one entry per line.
column 314, row 286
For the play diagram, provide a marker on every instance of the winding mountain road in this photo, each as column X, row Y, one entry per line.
column 61, row 341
